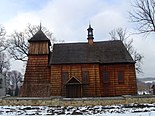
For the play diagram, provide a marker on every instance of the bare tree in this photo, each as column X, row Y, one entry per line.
column 2, row 39
column 122, row 34
column 143, row 15
column 13, row 81
column 4, row 62
column 18, row 48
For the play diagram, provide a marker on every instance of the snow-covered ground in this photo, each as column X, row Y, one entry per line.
column 113, row 110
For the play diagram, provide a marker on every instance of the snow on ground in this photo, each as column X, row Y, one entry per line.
column 113, row 110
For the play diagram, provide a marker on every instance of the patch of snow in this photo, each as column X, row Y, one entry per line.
column 144, row 92
column 149, row 81
column 113, row 110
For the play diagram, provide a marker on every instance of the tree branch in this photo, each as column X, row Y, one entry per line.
column 143, row 15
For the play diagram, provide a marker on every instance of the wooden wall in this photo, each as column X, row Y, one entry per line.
column 96, row 87
column 115, row 88
column 75, row 70
column 41, row 80
column 39, row 48
column 37, row 77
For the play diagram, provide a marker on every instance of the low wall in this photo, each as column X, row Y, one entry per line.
column 59, row 101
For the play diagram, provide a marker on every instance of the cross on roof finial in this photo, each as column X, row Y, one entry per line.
column 89, row 23
column 40, row 26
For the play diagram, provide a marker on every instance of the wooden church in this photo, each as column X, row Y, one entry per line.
column 88, row 69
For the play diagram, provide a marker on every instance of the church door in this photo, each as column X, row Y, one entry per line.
column 73, row 88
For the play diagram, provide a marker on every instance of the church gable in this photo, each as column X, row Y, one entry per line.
column 73, row 80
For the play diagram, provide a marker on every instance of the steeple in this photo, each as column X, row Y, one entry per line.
column 40, row 36
column 39, row 43
column 37, row 79
column 90, row 35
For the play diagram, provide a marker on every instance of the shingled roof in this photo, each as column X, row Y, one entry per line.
column 39, row 36
column 99, row 52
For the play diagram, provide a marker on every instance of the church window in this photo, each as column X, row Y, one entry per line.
column 120, row 77
column 85, row 77
column 105, row 76
column 65, row 77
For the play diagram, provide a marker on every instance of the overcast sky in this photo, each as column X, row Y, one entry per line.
column 69, row 19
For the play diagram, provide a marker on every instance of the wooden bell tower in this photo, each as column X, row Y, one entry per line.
column 37, row 75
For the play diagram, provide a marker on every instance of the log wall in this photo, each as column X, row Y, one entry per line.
column 37, row 77
column 75, row 70
column 115, row 88
column 39, row 48
column 96, row 87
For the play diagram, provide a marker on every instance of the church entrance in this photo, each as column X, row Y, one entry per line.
column 73, row 88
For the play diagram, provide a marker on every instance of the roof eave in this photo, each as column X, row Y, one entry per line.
column 40, row 41
column 93, row 63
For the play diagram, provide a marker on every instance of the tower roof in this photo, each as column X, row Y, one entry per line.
column 39, row 36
